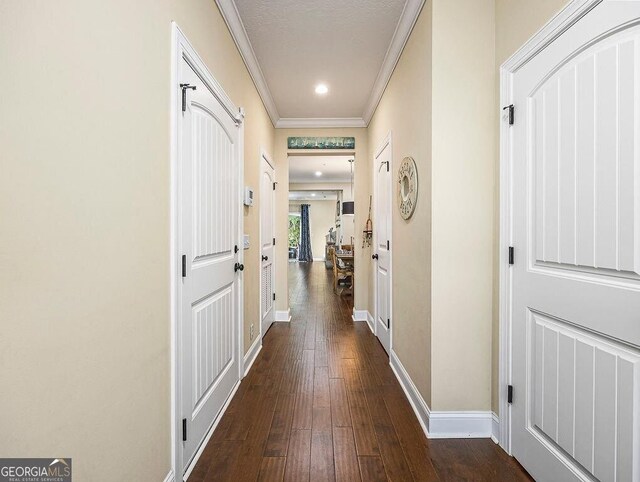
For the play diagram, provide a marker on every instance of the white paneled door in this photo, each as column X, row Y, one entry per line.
column 267, row 251
column 208, row 232
column 576, row 233
column 382, row 239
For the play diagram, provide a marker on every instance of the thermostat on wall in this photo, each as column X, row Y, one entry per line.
column 248, row 196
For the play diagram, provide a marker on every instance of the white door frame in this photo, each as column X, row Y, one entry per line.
column 566, row 18
column 181, row 48
column 387, row 141
column 267, row 158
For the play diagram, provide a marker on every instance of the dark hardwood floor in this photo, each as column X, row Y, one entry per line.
column 321, row 403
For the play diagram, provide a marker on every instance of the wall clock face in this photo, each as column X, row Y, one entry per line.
column 407, row 187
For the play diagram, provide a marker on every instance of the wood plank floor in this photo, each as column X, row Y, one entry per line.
column 321, row 403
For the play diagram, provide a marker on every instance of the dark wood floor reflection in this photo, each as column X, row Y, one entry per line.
column 321, row 403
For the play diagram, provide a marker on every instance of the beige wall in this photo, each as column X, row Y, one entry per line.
column 84, row 230
column 463, row 158
column 361, row 191
column 84, row 204
column 322, row 216
column 516, row 22
column 405, row 111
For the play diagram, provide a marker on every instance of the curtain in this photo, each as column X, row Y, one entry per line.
column 305, row 235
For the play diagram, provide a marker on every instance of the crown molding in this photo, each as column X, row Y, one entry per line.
column 555, row 27
column 319, row 122
column 402, row 32
column 405, row 25
column 236, row 27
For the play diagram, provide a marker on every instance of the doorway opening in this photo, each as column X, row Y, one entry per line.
column 321, row 215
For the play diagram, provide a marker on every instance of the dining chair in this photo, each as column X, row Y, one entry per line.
column 340, row 272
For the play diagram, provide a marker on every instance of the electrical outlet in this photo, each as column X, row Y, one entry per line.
column 251, row 332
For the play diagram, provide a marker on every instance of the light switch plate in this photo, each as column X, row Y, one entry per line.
column 245, row 241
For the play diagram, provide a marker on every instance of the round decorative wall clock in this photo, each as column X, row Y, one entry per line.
column 407, row 187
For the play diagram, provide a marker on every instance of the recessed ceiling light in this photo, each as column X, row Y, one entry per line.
column 313, row 194
column 321, row 89
column 318, row 173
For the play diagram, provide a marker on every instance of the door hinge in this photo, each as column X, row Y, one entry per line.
column 274, row 297
column 509, row 393
column 388, row 245
column 274, row 241
column 184, row 88
column 274, row 185
column 511, row 254
column 511, row 110
column 388, row 162
column 184, row 429
column 388, row 322
column 184, row 265
column 235, row 249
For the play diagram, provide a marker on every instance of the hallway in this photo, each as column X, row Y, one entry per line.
column 321, row 403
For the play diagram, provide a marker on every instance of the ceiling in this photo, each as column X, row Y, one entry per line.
column 302, row 169
column 290, row 46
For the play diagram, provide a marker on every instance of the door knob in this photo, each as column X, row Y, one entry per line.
column 374, row 256
column 238, row 267
column 265, row 258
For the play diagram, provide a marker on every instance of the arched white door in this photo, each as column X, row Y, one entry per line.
column 382, row 240
column 576, row 231
column 209, row 207
column 267, row 250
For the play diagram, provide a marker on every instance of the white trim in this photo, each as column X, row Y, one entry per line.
column 205, row 441
column 420, row 407
column 495, row 428
column 251, row 356
column 319, row 259
column 505, row 282
column 176, row 455
column 181, row 48
column 240, row 234
column 460, row 424
column 284, row 315
column 567, row 17
column 441, row 424
column 370, row 321
column 555, row 27
column 319, row 122
column 407, row 20
column 236, row 28
column 169, row 477
column 359, row 315
column 405, row 25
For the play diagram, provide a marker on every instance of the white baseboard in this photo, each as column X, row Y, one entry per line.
column 169, row 477
column 318, row 259
column 283, row 315
column 420, row 407
column 359, row 315
column 442, row 424
column 495, row 428
column 210, row 432
column 370, row 323
column 251, row 355
column 460, row 424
